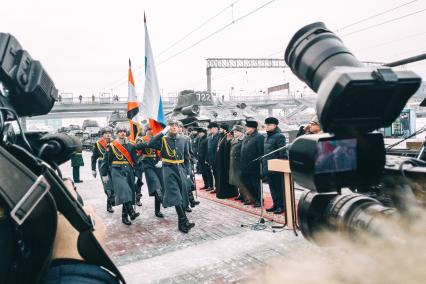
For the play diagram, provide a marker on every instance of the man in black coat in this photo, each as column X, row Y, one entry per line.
column 212, row 141
column 223, row 188
column 274, row 140
column 202, row 159
column 253, row 147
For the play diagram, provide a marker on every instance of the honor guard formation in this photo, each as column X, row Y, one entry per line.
column 168, row 161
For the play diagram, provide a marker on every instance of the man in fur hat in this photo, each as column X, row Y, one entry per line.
column 252, row 148
column 274, row 140
column 223, row 188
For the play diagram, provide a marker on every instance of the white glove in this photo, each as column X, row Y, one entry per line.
column 94, row 174
column 165, row 130
column 105, row 179
column 159, row 164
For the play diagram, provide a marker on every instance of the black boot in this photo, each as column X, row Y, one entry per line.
column 192, row 200
column 132, row 213
column 188, row 224
column 157, row 208
column 124, row 217
column 182, row 220
column 109, row 207
column 138, row 199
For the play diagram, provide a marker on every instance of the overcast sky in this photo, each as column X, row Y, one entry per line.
column 85, row 45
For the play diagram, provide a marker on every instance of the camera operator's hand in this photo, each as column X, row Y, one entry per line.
column 105, row 179
column 94, row 174
column 65, row 245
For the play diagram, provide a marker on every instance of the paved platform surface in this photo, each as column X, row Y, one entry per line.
column 217, row 250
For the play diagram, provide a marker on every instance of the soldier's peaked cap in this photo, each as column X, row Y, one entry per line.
column 106, row 129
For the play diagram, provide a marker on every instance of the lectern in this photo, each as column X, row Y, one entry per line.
column 283, row 166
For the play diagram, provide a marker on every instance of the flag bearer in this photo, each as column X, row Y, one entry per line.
column 175, row 164
column 152, row 165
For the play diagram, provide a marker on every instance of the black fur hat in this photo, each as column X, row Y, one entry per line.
column 271, row 120
column 225, row 127
column 251, row 123
column 212, row 124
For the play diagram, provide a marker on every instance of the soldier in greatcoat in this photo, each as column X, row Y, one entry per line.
column 121, row 162
column 212, row 141
column 151, row 162
column 190, row 182
column 202, row 159
column 175, row 165
column 139, row 173
column 98, row 154
column 77, row 162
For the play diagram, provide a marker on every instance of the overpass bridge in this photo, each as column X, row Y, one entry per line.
column 95, row 108
column 292, row 105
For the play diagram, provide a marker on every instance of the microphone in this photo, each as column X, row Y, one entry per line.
column 59, row 147
column 274, row 151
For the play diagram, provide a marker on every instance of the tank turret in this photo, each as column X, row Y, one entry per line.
column 198, row 108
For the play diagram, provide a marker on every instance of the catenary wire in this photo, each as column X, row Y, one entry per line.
column 383, row 23
column 374, row 16
column 197, row 28
column 215, row 32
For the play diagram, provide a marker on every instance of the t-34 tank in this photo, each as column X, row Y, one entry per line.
column 196, row 108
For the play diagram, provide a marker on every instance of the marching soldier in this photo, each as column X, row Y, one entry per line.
column 98, row 153
column 152, row 164
column 120, row 161
column 139, row 173
column 190, row 184
column 202, row 159
column 175, row 165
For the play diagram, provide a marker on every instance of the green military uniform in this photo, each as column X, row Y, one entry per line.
column 77, row 162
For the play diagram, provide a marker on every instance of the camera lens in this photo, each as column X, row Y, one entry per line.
column 354, row 213
column 345, row 214
column 314, row 51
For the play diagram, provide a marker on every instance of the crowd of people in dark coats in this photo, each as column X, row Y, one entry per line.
column 228, row 160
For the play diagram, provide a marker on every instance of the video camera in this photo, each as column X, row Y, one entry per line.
column 32, row 191
column 353, row 101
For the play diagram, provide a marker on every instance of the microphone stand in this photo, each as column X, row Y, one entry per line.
column 260, row 225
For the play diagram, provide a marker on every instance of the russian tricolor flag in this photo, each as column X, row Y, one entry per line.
column 152, row 105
